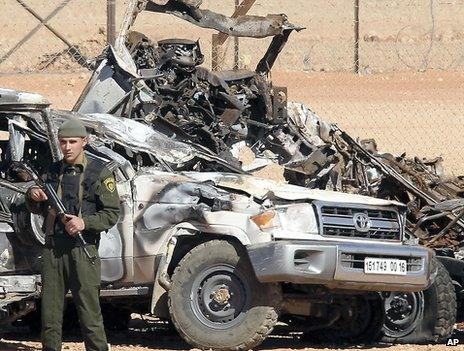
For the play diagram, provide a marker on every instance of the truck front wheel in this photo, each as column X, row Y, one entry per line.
column 216, row 302
column 421, row 317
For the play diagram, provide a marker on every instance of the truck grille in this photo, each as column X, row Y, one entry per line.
column 359, row 222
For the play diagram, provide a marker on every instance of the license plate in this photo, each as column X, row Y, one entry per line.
column 385, row 266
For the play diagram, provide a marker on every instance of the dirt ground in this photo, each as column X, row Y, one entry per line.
column 148, row 334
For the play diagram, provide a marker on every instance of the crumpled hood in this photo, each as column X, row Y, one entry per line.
column 260, row 188
column 137, row 136
column 140, row 137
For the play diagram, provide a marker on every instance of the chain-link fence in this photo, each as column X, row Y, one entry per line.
column 51, row 36
column 407, row 92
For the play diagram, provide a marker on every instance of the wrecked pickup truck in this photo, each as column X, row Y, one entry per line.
column 222, row 255
column 241, row 117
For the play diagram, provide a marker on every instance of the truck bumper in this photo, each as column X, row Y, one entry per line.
column 17, row 287
column 17, row 295
column 339, row 265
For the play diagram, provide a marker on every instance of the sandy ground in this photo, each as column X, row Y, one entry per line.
column 149, row 335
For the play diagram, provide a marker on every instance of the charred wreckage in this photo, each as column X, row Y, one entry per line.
column 183, row 141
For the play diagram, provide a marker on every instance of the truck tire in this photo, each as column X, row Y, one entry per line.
column 28, row 226
column 216, row 301
column 421, row 317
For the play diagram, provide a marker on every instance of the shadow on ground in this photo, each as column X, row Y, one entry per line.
column 161, row 335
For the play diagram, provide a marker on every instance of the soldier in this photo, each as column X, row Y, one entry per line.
column 88, row 191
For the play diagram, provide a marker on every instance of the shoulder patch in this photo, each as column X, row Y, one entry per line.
column 110, row 184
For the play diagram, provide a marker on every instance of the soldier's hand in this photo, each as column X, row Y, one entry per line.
column 73, row 224
column 37, row 194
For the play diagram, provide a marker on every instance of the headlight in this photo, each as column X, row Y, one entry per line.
column 293, row 218
column 299, row 218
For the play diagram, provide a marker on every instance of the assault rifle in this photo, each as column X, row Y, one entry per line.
column 55, row 202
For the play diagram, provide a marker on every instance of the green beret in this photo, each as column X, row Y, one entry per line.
column 72, row 128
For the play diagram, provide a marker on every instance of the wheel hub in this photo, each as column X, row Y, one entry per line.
column 400, row 304
column 221, row 295
column 402, row 311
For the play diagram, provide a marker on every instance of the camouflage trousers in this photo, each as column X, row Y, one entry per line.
column 65, row 268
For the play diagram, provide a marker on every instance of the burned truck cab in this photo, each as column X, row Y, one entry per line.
column 20, row 232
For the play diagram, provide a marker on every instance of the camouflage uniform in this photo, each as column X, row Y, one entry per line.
column 89, row 191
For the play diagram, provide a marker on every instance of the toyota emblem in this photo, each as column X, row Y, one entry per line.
column 362, row 223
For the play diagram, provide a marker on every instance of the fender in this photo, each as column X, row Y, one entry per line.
column 162, row 280
column 217, row 229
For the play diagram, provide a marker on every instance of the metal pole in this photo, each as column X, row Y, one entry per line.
column 215, row 53
column 356, row 36
column 236, row 41
column 111, row 22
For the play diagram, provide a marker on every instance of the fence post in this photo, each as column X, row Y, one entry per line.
column 236, row 41
column 111, row 21
column 356, row 36
column 215, row 53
